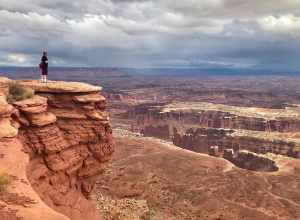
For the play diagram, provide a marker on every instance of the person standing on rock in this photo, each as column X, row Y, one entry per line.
column 44, row 67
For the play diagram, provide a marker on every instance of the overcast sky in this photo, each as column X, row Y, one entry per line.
column 152, row 33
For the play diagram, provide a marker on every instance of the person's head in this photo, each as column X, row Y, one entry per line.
column 45, row 53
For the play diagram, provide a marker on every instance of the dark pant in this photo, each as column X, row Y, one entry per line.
column 44, row 71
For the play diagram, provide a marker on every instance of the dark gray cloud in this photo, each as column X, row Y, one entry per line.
column 147, row 33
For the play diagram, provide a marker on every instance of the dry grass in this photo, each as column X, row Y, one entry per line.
column 18, row 92
column 4, row 181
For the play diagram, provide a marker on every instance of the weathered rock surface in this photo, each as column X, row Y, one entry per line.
column 60, row 87
column 5, row 109
column 218, row 116
column 68, row 144
column 251, row 161
column 42, row 119
column 37, row 104
column 92, row 98
column 198, row 126
column 4, row 85
column 65, row 130
column 20, row 201
column 201, row 139
column 7, row 130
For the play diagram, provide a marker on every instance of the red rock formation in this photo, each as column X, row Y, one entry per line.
column 201, row 139
column 66, row 131
column 251, row 161
column 146, row 116
column 198, row 130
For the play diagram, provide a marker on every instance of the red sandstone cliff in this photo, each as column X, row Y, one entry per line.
column 197, row 128
column 66, row 132
column 201, row 139
column 151, row 118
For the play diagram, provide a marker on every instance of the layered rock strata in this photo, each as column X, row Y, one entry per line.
column 251, row 161
column 201, row 139
column 65, row 130
column 199, row 126
column 214, row 119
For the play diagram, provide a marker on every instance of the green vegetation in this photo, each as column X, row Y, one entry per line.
column 4, row 181
column 18, row 92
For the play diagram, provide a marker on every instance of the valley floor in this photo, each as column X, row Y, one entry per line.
column 152, row 179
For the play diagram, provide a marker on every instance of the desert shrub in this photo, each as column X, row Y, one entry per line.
column 4, row 181
column 18, row 92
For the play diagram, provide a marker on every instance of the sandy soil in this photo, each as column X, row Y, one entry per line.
column 20, row 197
column 178, row 184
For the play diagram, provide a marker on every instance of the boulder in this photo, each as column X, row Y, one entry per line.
column 6, row 129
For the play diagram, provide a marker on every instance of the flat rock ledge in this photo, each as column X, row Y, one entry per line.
column 34, row 105
column 91, row 98
column 60, row 87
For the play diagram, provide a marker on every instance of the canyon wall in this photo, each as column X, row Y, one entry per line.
column 213, row 119
column 199, row 129
column 201, row 139
column 66, row 132
column 251, row 161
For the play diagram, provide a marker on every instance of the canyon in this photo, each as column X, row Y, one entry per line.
column 152, row 179
column 184, row 147
column 256, row 121
column 197, row 126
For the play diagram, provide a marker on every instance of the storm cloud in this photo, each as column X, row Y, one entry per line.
column 152, row 33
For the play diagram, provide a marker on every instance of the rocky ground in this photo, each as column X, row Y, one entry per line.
column 153, row 179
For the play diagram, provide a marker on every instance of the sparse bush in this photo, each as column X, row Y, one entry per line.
column 4, row 181
column 18, row 92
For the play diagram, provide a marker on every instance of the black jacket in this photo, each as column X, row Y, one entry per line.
column 44, row 62
column 44, row 65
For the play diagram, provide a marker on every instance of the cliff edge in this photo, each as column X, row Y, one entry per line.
column 65, row 131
